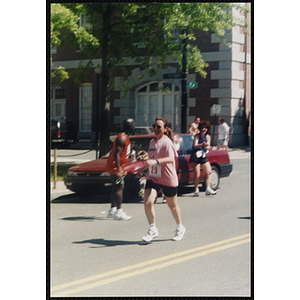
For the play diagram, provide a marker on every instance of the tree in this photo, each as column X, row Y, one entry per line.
column 137, row 31
column 64, row 19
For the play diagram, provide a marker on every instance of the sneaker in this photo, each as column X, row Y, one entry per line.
column 121, row 216
column 179, row 234
column 111, row 212
column 210, row 191
column 151, row 233
column 196, row 194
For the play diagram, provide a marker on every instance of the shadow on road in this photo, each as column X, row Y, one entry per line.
column 85, row 219
column 113, row 243
column 105, row 197
column 76, row 199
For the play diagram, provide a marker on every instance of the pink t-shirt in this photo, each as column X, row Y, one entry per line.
column 164, row 174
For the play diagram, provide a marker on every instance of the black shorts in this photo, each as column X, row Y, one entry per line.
column 168, row 191
column 201, row 160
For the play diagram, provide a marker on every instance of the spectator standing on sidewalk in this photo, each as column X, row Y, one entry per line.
column 162, row 174
column 115, row 166
column 193, row 129
column 223, row 135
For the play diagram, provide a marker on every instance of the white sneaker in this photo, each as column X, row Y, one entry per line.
column 210, row 191
column 121, row 216
column 196, row 194
column 151, row 233
column 179, row 234
column 111, row 212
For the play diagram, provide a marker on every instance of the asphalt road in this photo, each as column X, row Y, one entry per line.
column 95, row 256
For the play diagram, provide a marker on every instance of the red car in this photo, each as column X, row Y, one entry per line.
column 91, row 177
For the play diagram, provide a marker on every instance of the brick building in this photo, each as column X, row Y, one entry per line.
column 228, row 83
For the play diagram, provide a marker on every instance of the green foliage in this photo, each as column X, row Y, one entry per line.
column 62, row 17
column 62, row 171
column 122, row 32
column 194, row 59
column 60, row 74
column 139, row 32
column 81, row 72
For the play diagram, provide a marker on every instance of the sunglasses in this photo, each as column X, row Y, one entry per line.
column 154, row 126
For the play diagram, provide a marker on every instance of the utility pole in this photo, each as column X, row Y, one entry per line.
column 183, row 85
column 98, row 72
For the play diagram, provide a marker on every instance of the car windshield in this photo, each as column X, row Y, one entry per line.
column 139, row 144
column 183, row 144
column 143, row 131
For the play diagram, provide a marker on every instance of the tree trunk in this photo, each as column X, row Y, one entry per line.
column 105, row 144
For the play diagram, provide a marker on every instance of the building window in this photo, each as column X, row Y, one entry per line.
column 58, row 108
column 175, row 33
column 84, row 22
column 85, row 107
column 54, row 50
column 60, row 94
column 58, row 103
column 158, row 99
column 140, row 11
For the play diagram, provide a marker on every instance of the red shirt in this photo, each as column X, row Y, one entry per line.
column 111, row 163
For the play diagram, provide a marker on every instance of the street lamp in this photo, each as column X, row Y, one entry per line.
column 97, row 72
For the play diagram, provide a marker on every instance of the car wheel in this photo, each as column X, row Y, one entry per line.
column 214, row 178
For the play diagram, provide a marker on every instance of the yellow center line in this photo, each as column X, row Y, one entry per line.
column 146, row 263
column 152, row 268
column 226, row 244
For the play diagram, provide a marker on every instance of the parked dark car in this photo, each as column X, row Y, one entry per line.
column 63, row 133
column 91, row 177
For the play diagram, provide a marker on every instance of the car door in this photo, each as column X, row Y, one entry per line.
column 184, row 147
